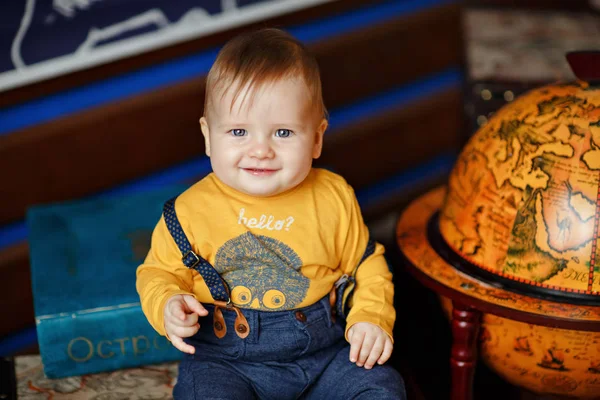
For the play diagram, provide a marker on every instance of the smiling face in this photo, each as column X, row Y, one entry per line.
column 262, row 141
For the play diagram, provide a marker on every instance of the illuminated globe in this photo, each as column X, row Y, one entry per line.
column 517, row 227
column 523, row 198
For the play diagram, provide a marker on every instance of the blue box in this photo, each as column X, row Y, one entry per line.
column 84, row 256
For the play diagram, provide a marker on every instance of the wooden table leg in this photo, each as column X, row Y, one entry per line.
column 465, row 329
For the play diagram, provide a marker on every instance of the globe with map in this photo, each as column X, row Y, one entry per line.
column 523, row 198
column 515, row 234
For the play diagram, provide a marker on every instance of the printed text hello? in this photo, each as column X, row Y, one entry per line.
column 265, row 222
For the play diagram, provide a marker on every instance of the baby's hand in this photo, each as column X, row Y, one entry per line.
column 181, row 320
column 369, row 344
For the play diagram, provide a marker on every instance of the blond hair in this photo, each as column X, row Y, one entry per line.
column 264, row 56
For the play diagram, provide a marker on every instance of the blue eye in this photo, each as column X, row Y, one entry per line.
column 283, row 133
column 238, row 132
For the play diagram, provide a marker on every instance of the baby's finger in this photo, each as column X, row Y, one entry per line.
column 355, row 345
column 186, row 331
column 175, row 320
column 170, row 318
column 387, row 352
column 181, row 345
column 350, row 333
column 176, row 309
column 375, row 353
column 190, row 319
column 195, row 306
column 365, row 350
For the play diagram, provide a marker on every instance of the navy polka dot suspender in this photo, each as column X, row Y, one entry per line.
column 348, row 282
column 216, row 285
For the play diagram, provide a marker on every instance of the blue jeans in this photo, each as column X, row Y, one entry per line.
column 299, row 354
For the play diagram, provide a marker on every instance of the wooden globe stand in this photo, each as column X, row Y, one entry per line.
column 472, row 298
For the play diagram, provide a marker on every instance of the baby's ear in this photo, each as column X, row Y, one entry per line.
column 318, row 146
column 205, row 132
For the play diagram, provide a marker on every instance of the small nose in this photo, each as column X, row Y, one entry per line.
column 255, row 303
column 261, row 148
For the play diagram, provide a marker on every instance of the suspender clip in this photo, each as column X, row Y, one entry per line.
column 190, row 259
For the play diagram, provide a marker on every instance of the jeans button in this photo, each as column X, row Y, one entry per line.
column 300, row 316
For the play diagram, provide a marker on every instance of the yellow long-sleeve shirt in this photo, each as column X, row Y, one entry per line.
column 275, row 253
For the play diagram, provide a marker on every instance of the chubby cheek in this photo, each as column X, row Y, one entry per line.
column 226, row 156
column 300, row 162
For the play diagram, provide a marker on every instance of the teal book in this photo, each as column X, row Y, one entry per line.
column 83, row 257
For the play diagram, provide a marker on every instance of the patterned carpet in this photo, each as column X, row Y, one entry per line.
column 523, row 45
column 150, row 382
